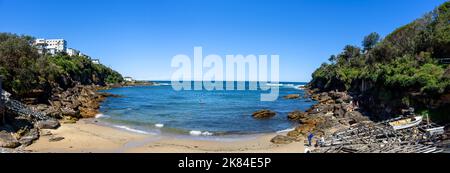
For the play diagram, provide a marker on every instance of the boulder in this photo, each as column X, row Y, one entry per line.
column 53, row 112
column 56, row 104
column 41, row 107
column 325, row 108
column 315, row 97
column 69, row 120
column 73, row 103
column 262, row 114
column 338, row 111
column 294, row 134
column 326, row 99
column 48, row 124
column 280, row 139
column 45, row 133
column 70, row 112
column 7, row 140
column 302, row 130
column 292, row 96
column 356, row 116
column 311, row 121
column 30, row 136
column 88, row 112
column 296, row 115
column 326, row 123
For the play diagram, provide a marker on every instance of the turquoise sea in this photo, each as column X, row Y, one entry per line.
column 161, row 109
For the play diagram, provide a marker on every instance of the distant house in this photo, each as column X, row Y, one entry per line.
column 72, row 52
column 96, row 61
column 128, row 79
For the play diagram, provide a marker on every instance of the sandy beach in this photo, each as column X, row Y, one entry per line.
column 86, row 136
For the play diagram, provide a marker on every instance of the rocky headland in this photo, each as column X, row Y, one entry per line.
column 64, row 106
column 333, row 111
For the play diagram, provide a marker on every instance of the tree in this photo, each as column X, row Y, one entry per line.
column 332, row 59
column 24, row 69
column 350, row 52
column 370, row 41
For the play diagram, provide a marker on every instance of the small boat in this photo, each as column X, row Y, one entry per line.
column 435, row 131
column 406, row 122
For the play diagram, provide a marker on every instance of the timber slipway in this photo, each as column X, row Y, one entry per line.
column 369, row 137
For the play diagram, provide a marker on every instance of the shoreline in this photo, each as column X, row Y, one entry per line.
column 158, row 130
column 87, row 136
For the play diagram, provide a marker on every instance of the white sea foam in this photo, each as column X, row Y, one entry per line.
column 159, row 125
column 132, row 130
column 200, row 133
column 101, row 116
column 286, row 130
column 162, row 84
column 287, row 85
column 272, row 84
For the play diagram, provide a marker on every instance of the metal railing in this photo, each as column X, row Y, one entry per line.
column 20, row 108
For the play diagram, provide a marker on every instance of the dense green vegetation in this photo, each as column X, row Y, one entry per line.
column 25, row 72
column 403, row 69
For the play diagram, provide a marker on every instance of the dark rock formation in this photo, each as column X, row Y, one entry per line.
column 335, row 110
column 29, row 137
column 7, row 140
column 66, row 105
column 263, row 114
column 48, row 124
column 296, row 115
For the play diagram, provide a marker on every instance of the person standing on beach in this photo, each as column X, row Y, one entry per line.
column 310, row 137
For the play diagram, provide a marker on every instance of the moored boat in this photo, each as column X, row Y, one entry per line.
column 406, row 122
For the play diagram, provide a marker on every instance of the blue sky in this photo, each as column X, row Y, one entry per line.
column 139, row 38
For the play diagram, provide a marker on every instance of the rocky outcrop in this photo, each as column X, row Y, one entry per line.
column 292, row 96
column 77, row 102
column 64, row 107
column 263, row 114
column 280, row 139
column 334, row 110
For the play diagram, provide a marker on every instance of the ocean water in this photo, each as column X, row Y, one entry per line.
column 160, row 109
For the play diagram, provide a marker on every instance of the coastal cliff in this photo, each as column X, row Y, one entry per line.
column 408, row 68
column 62, row 86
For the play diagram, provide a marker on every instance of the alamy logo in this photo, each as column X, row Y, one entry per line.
column 249, row 72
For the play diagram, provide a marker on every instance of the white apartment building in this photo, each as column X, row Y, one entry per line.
column 54, row 46
column 51, row 46
column 73, row 52
column 96, row 61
